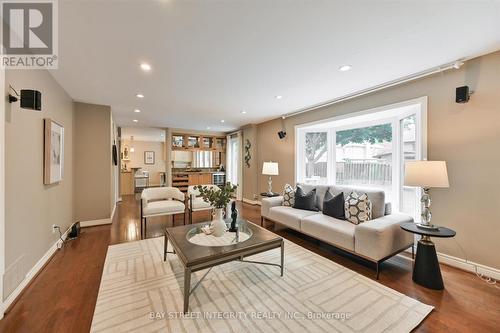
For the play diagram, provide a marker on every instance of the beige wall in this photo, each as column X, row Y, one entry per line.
column 250, row 174
column 92, row 155
column 30, row 206
column 137, row 158
column 467, row 136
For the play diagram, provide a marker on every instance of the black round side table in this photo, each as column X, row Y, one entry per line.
column 426, row 271
column 270, row 195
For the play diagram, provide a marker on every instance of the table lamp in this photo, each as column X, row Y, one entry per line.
column 426, row 174
column 270, row 169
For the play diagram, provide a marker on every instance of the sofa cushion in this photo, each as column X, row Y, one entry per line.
column 200, row 204
column 333, row 206
column 163, row 207
column 382, row 237
column 328, row 229
column 377, row 197
column 320, row 192
column 288, row 216
column 306, row 201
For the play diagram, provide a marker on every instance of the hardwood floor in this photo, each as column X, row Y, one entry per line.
column 63, row 295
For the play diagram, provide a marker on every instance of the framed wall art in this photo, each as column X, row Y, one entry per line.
column 149, row 157
column 53, row 159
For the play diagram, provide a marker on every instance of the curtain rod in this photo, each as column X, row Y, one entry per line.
column 451, row 65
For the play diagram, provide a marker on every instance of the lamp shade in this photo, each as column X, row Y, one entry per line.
column 270, row 169
column 426, row 174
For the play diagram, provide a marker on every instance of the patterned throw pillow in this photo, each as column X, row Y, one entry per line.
column 358, row 208
column 289, row 195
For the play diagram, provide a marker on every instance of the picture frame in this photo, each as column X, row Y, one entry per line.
column 149, row 157
column 53, row 157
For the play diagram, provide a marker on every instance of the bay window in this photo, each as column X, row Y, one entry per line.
column 366, row 149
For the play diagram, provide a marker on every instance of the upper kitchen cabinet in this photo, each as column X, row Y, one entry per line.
column 198, row 142
column 178, row 142
column 220, row 143
column 193, row 141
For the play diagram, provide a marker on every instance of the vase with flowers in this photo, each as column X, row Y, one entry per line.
column 218, row 198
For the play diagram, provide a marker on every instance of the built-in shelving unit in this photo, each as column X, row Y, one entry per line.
column 181, row 141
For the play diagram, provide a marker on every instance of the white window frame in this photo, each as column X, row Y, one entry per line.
column 395, row 121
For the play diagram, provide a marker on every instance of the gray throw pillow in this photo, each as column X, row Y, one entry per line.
column 334, row 205
column 306, row 201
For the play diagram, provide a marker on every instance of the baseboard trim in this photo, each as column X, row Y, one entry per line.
column 251, row 202
column 33, row 272
column 469, row 266
column 113, row 213
column 463, row 264
column 92, row 223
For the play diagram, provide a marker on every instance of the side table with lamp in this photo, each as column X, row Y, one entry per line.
column 427, row 174
column 270, row 169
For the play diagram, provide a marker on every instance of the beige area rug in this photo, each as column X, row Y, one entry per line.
column 141, row 293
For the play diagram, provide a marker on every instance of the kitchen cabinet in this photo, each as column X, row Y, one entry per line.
column 205, row 178
column 194, row 179
column 200, row 178
column 193, row 142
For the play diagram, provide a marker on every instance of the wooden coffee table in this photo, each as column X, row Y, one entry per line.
column 253, row 239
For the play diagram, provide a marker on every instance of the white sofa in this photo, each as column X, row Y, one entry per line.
column 375, row 240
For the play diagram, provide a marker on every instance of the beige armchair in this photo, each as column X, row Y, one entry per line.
column 196, row 203
column 160, row 201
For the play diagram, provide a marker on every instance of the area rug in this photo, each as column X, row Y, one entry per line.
column 140, row 292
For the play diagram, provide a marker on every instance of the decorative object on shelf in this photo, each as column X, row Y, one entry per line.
column 149, row 157
column 248, row 157
column 234, row 217
column 219, row 199
column 53, row 161
column 270, row 169
column 426, row 174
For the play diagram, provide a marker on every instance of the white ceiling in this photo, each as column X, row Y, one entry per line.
column 143, row 134
column 213, row 59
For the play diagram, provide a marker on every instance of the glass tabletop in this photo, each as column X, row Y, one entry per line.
column 197, row 236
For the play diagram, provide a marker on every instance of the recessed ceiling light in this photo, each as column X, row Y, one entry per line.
column 137, row 111
column 139, row 95
column 243, row 112
column 135, row 120
column 208, row 127
column 278, row 97
column 145, row 67
column 222, row 121
column 345, row 68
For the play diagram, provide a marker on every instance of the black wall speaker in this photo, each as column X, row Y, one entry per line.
column 462, row 94
column 281, row 134
column 31, row 99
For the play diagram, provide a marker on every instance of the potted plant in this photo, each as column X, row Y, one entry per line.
column 219, row 199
